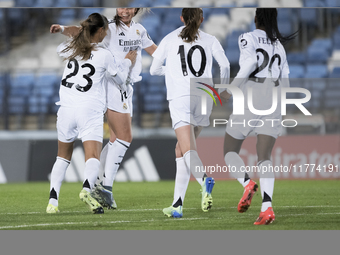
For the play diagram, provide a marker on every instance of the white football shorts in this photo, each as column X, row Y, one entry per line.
column 186, row 110
column 118, row 100
column 240, row 126
column 84, row 123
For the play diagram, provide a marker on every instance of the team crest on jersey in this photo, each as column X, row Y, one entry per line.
column 125, row 106
column 137, row 32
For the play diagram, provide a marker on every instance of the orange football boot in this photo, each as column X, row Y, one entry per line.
column 248, row 194
column 265, row 217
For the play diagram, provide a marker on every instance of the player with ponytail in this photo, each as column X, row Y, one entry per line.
column 264, row 70
column 83, row 103
column 124, row 35
column 185, row 49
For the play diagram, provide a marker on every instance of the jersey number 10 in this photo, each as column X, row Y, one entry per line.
column 189, row 57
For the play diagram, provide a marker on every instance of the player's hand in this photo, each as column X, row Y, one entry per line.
column 132, row 55
column 225, row 96
column 55, row 28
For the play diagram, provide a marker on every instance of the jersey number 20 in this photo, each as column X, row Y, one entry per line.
column 67, row 84
column 189, row 57
column 265, row 63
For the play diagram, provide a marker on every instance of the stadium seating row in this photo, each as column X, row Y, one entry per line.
column 30, row 93
column 57, row 3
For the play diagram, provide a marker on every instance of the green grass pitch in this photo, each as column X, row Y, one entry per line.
column 298, row 204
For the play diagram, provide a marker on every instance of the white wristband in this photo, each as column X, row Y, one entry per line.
column 62, row 29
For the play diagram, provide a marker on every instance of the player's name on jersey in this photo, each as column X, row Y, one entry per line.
column 129, row 42
column 264, row 40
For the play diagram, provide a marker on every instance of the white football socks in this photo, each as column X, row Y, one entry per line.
column 195, row 165
column 103, row 156
column 267, row 185
column 91, row 172
column 234, row 160
column 182, row 180
column 57, row 177
column 115, row 155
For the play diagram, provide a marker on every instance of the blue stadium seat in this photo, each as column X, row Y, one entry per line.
column 160, row 3
column 16, row 105
column 285, row 27
column 332, row 3
column 67, row 16
column 38, row 104
column 154, row 102
column 284, row 14
column 151, row 24
column 219, row 11
column 156, row 84
column 317, row 54
column 21, row 84
column 66, row 3
column 166, row 29
column 232, row 39
column 335, row 73
column 316, row 71
column 85, row 12
column 309, row 16
column 314, row 3
column 296, row 71
column 336, row 40
column 140, row 3
column 151, row 21
column 54, row 108
column 24, row 3
column 44, row 3
column 325, row 43
column 2, row 80
column 233, row 55
column 159, row 11
column 45, row 85
column 173, row 17
column 87, row 3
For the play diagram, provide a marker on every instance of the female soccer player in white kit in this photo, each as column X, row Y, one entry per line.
column 263, row 68
column 124, row 35
column 189, row 54
column 83, row 103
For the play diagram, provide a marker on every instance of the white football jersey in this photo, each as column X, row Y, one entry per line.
column 259, row 58
column 120, row 40
column 83, row 83
column 186, row 60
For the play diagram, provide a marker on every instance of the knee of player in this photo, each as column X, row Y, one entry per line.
column 178, row 151
column 127, row 137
